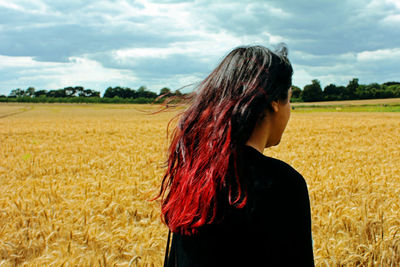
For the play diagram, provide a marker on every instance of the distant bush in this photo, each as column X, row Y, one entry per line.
column 114, row 100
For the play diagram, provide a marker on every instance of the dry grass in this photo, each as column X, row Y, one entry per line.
column 76, row 179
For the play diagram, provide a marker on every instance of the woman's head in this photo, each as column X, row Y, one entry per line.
column 247, row 80
column 240, row 92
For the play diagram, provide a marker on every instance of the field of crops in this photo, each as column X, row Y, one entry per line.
column 76, row 181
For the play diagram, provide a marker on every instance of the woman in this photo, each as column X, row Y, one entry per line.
column 225, row 202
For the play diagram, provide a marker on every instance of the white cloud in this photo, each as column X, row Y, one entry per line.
column 386, row 11
column 395, row 3
column 7, row 61
column 148, row 52
column 380, row 54
column 392, row 20
column 78, row 71
column 272, row 10
column 338, row 74
column 9, row 5
column 26, row 6
column 185, row 83
column 384, row 3
column 301, row 76
column 208, row 48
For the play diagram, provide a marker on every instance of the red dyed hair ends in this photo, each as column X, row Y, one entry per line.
column 202, row 163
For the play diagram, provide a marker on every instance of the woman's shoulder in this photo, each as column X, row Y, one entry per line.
column 268, row 168
column 255, row 157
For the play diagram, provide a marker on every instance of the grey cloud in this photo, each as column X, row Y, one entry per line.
column 57, row 43
column 159, row 68
column 55, row 38
column 337, row 27
column 322, row 60
column 342, row 69
column 240, row 18
column 318, row 27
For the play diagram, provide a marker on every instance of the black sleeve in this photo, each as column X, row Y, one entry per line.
column 301, row 245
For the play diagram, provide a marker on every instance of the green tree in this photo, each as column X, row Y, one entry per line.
column 312, row 92
column 391, row 83
column 56, row 93
column 165, row 91
column 70, row 91
column 395, row 89
column 130, row 93
column 141, row 92
column 39, row 93
column 368, row 91
column 79, row 90
column 333, row 92
column 30, row 92
column 296, row 92
column 109, row 92
column 89, row 93
column 351, row 88
column 115, row 92
column 17, row 92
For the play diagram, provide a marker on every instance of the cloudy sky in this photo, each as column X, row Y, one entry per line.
column 51, row 44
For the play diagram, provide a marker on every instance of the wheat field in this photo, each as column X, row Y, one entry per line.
column 76, row 183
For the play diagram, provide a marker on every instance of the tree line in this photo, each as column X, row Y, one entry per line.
column 352, row 91
column 309, row 93
column 79, row 94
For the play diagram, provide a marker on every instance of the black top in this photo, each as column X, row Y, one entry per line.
column 273, row 229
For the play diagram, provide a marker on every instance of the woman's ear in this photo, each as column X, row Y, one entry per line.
column 275, row 106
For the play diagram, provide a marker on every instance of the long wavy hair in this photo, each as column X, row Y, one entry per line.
column 203, row 153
